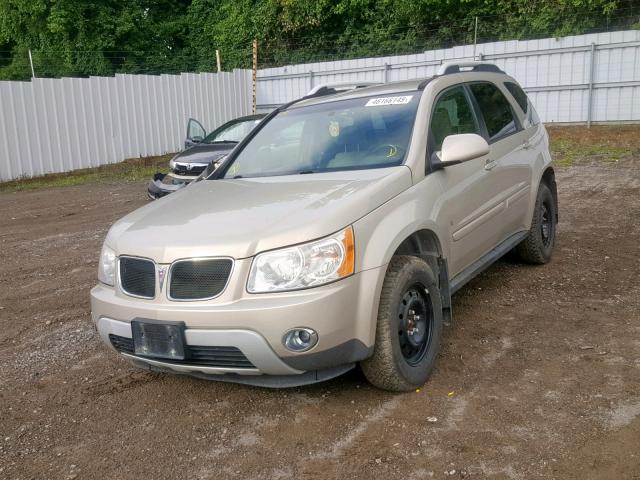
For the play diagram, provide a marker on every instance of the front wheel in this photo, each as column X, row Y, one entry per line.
column 409, row 327
column 537, row 247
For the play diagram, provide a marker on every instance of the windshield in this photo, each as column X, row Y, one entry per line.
column 368, row 132
column 231, row 131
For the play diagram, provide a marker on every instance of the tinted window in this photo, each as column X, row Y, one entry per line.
column 524, row 103
column 345, row 134
column 519, row 95
column 495, row 109
column 451, row 115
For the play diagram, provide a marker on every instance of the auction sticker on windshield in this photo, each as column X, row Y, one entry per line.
column 381, row 101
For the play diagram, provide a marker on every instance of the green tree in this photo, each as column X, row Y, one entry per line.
column 102, row 37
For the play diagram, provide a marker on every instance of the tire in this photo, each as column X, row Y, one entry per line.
column 402, row 359
column 537, row 247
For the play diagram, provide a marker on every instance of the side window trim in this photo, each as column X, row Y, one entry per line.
column 513, row 96
column 430, row 141
column 516, row 119
column 530, row 113
column 477, row 112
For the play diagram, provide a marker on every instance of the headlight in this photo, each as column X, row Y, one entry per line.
column 303, row 266
column 107, row 266
column 172, row 164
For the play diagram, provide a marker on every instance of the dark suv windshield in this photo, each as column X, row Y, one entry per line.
column 232, row 132
column 368, row 132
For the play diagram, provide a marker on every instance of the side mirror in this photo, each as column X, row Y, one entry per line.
column 460, row 148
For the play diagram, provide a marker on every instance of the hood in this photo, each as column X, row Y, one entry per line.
column 241, row 217
column 204, row 153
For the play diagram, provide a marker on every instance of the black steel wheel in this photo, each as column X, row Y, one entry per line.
column 416, row 323
column 409, row 327
column 547, row 225
column 537, row 247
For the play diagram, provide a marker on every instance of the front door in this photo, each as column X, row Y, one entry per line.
column 195, row 133
column 469, row 206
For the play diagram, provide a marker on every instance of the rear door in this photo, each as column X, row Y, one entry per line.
column 534, row 139
column 511, row 162
column 468, row 200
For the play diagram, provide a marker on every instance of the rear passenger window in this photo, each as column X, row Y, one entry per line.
column 495, row 109
column 452, row 115
column 519, row 95
column 524, row 102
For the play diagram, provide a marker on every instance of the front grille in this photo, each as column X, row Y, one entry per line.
column 199, row 279
column 122, row 344
column 138, row 277
column 230, row 357
column 182, row 170
column 227, row 357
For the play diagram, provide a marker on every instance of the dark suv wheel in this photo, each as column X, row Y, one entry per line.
column 409, row 327
column 537, row 247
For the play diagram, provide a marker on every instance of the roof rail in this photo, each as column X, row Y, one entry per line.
column 332, row 88
column 457, row 67
column 326, row 89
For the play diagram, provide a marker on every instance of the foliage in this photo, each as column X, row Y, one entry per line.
column 102, row 37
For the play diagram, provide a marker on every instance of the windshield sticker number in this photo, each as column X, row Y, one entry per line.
column 382, row 101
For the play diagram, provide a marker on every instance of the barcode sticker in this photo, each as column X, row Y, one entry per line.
column 381, row 101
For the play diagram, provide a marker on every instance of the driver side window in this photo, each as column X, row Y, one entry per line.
column 452, row 115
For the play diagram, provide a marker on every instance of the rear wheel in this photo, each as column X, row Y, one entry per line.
column 537, row 247
column 409, row 327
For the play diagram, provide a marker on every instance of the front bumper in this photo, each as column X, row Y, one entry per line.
column 161, row 185
column 253, row 345
column 343, row 314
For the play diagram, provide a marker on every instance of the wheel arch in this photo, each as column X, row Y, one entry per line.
column 425, row 244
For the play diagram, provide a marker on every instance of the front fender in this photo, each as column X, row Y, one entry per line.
column 380, row 233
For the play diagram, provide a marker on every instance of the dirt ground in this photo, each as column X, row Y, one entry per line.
column 539, row 375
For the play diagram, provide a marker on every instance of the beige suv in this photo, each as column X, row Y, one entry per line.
column 334, row 234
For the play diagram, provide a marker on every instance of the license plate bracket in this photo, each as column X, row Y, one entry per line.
column 158, row 339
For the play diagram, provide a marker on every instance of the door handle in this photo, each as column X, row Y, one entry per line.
column 490, row 164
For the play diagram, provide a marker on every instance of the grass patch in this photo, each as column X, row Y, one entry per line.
column 134, row 170
column 567, row 152
column 573, row 145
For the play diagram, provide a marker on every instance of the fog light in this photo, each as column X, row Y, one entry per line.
column 300, row 339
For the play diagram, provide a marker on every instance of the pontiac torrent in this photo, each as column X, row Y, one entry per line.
column 333, row 235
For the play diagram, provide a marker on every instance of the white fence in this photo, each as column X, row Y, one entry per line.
column 581, row 78
column 57, row 125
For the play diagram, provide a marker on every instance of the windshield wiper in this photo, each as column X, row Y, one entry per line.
column 306, row 172
column 222, row 141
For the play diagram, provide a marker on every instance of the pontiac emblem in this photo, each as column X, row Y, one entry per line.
column 161, row 273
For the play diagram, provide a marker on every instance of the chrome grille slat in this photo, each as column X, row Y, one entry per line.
column 184, row 170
